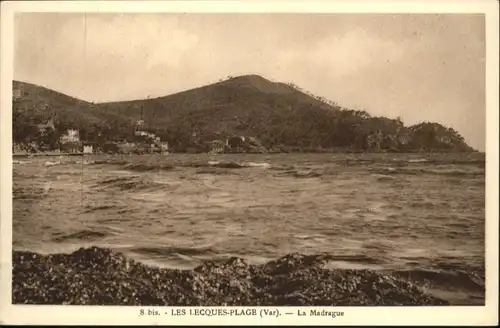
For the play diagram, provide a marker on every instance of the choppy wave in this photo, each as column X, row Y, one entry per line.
column 85, row 234
column 49, row 163
column 207, row 165
column 422, row 171
column 398, row 161
column 236, row 165
column 305, row 174
column 88, row 162
column 111, row 161
column 144, row 167
column 383, row 177
column 130, row 183
column 28, row 193
column 458, row 279
column 18, row 162
column 282, row 167
column 213, row 171
column 226, row 165
column 167, row 251
column 100, row 208
column 354, row 258
column 254, row 164
column 410, row 166
column 148, row 167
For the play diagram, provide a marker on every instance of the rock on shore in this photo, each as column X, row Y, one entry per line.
column 98, row 276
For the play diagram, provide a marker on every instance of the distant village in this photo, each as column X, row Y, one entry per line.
column 144, row 142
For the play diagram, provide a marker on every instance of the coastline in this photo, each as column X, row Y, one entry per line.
column 41, row 154
column 100, row 276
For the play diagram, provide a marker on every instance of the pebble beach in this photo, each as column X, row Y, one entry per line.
column 99, row 276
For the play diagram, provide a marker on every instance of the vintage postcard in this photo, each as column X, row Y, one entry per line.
column 249, row 162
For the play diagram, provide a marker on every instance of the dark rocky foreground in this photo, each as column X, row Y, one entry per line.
column 102, row 277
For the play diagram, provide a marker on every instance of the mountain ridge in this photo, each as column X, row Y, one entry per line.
column 278, row 114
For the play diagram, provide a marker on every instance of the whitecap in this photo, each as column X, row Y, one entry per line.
column 258, row 164
column 85, row 162
column 109, row 227
column 48, row 163
column 383, row 177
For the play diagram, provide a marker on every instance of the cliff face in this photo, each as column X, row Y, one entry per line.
column 277, row 115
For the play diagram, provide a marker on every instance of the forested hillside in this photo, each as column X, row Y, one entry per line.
column 280, row 116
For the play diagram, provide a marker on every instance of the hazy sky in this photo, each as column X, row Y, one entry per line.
column 421, row 67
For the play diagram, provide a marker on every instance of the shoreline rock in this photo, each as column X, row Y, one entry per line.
column 100, row 276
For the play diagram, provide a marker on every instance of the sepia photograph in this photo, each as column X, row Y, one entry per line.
column 249, row 159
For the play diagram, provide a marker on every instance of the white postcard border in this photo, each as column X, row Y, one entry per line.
column 125, row 315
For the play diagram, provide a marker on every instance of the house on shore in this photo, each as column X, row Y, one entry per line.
column 216, row 146
column 70, row 141
column 71, row 135
column 163, row 147
column 246, row 144
column 88, row 149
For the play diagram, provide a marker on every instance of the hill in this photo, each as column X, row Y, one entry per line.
column 33, row 105
column 281, row 116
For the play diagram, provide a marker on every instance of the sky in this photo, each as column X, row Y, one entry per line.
column 420, row 67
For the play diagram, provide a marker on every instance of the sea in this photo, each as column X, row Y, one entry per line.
column 417, row 213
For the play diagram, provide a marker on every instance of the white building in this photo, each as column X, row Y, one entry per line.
column 88, row 149
column 72, row 135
